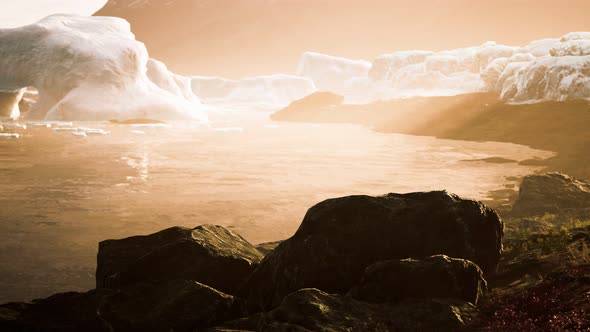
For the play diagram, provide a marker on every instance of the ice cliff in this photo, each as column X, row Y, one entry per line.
column 89, row 68
column 544, row 70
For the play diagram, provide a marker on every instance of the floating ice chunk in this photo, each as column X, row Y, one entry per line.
column 230, row 130
column 93, row 131
column 9, row 135
column 79, row 133
column 65, row 129
column 15, row 126
column 137, row 132
column 40, row 124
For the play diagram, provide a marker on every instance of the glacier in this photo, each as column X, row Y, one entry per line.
column 89, row 68
column 331, row 73
column 552, row 69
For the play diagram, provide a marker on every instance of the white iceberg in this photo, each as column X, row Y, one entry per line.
column 277, row 90
column 331, row 73
column 90, row 68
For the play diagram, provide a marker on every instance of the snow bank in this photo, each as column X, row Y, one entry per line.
column 91, row 68
column 279, row 90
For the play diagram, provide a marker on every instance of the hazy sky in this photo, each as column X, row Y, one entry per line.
column 15, row 13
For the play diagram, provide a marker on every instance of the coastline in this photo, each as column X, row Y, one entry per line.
column 560, row 127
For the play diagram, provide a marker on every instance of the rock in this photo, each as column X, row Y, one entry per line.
column 209, row 254
column 434, row 277
column 340, row 237
column 178, row 305
column 313, row 310
column 551, row 193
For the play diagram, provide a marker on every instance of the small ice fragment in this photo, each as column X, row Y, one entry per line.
column 9, row 135
column 1, row 128
column 79, row 133
column 138, row 132
column 230, row 130
column 15, row 126
column 93, row 131
column 66, row 129
column 39, row 124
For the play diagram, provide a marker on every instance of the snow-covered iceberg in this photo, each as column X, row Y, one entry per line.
column 273, row 90
column 91, row 68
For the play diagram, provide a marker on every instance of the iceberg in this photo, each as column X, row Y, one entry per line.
column 553, row 69
column 89, row 68
column 331, row 73
column 277, row 90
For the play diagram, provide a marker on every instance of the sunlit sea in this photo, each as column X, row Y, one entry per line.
column 61, row 193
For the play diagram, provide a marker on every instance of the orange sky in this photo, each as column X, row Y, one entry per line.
column 236, row 38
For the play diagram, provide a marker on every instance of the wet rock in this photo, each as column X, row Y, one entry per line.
column 340, row 237
column 209, row 254
column 551, row 193
column 178, row 305
column 434, row 277
column 313, row 310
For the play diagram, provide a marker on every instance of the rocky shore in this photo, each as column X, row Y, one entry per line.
column 393, row 262
column 397, row 262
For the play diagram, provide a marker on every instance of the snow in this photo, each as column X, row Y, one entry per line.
column 91, row 68
column 275, row 90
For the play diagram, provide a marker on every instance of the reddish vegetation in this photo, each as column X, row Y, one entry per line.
column 560, row 303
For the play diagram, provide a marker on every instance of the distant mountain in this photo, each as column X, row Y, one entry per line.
column 236, row 38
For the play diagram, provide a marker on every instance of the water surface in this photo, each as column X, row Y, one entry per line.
column 60, row 193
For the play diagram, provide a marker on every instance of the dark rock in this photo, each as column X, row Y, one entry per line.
column 178, row 305
column 434, row 277
column 551, row 193
column 313, row 310
column 209, row 254
column 340, row 237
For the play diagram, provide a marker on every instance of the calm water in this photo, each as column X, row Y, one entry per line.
column 60, row 194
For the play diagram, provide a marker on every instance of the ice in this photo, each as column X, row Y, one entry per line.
column 137, row 132
column 553, row 69
column 90, row 68
column 279, row 90
column 331, row 73
column 9, row 135
column 547, row 78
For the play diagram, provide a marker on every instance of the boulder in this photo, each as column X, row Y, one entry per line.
column 434, row 277
column 313, row 310
column 340, row 237
column 208, row 254
column 551, row 193
column 178, row 305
